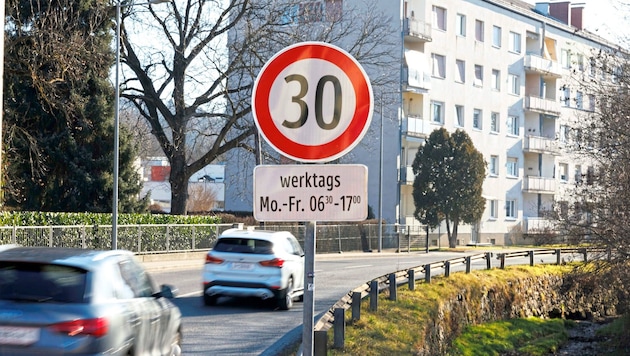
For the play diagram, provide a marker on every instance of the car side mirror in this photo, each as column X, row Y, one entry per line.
column 167, row 291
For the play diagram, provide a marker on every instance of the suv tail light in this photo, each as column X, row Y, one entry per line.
column 96, row 327
column 276, row 262
column 212, row 259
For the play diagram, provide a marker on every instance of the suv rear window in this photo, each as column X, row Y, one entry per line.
column 244, row 245
column 35, row 282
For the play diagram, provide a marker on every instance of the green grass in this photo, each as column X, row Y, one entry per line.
column 531, row 336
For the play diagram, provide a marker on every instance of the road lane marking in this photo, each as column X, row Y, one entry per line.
column 360, row 266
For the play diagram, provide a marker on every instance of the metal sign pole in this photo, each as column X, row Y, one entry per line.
column 309, row 287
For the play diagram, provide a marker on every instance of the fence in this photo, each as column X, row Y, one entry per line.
column 182, row 237
column 335, row 316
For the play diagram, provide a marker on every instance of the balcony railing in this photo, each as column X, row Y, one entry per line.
column 537, row 225
column 406, row 175
column 541, row 65
column 416, row 80
column 532, row 184
column 417, row 30
column 541, row 105
column 540, row 145
column 415, row 126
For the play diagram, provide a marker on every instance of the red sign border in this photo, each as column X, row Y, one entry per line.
column 362, row 113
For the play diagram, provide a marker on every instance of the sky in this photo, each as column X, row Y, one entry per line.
column 605, row 17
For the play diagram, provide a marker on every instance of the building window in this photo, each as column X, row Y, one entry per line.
column 515, row 42
column 477, row 119
column 494, row 122
column 496, row 80
column 334, row 10
column 479, row 26
column 565, row 58
column 459, row 115
column 460, row 25
column 461, row 71
column 496, row 36
column 566, row 96
column 578, row 174
column 439, row 66
column 510, row 209
column 494, row 208
column 493, row 166
column 564, row 133
column 579, row 100
column 563, row 172
column 312, row 11
column 478, row 76
column 593, row 71
column 512, row 167
column 513, row 125
column 591, row 102
column 580, row 62
column 439, row 18
column 515, row 84
column 437, row 112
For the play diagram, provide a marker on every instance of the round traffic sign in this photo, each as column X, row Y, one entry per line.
column 312, row 102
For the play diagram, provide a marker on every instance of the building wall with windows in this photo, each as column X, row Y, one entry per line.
column 500, row 70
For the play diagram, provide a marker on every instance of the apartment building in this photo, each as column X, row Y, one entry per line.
column 500, row 70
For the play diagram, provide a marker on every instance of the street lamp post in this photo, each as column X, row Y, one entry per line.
column 117, row 120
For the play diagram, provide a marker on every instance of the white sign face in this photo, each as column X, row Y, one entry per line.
column 310, row 192
column 312, row 102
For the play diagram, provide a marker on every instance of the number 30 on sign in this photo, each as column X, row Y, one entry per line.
column 312, row 102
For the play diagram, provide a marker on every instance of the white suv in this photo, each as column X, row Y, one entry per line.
column 255, row 263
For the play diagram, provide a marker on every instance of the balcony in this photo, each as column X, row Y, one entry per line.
column 537, row 64
column 414, row 126
column 538, row 144
column 539, row 185
column 406, row 175
column 533, row 225
column 417, row 31
column 542, row 105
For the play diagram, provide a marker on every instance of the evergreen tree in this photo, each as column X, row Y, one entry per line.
column 449, row 180
column 58, row 104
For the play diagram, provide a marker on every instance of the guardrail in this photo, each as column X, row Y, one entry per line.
column 335, row 316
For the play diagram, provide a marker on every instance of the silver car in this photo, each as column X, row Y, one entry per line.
column 256, row 263
column 62, row 301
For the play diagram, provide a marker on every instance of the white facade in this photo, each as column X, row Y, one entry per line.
column 500, row 70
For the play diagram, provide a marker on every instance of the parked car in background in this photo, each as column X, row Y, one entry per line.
column 255, row 263
column 66, row 301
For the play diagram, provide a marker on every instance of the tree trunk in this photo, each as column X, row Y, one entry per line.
column 179, row 187
column 452, row 241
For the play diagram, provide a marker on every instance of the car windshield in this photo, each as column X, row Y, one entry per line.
column 244, row 245
column 36, row 282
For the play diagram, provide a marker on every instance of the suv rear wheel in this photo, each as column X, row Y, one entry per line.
column 285, row 297
column 209, row 299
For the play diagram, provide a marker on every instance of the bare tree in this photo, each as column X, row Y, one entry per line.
column 194, row 88
column 595, row 209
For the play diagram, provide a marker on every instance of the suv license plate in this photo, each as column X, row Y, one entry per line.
column 14, row 335
column 242, row 266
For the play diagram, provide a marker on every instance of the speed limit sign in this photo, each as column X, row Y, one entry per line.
column 312, row 102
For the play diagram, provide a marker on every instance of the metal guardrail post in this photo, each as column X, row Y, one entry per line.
column 488, row 260
column 168, row 237
column 373, row 295
column 320, row 343
column 356, row 306
column 609, row 254
column 531, row 257
column 393, row 288
column 139, row 238
column 502, row 260
column 447, row 268
column 411, row 279
column 585, row 253
column 427, row 273
column 339, row 329
column 558, row 253
column 468, row 264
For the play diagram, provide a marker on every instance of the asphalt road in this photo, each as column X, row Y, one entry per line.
column 253, row 327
